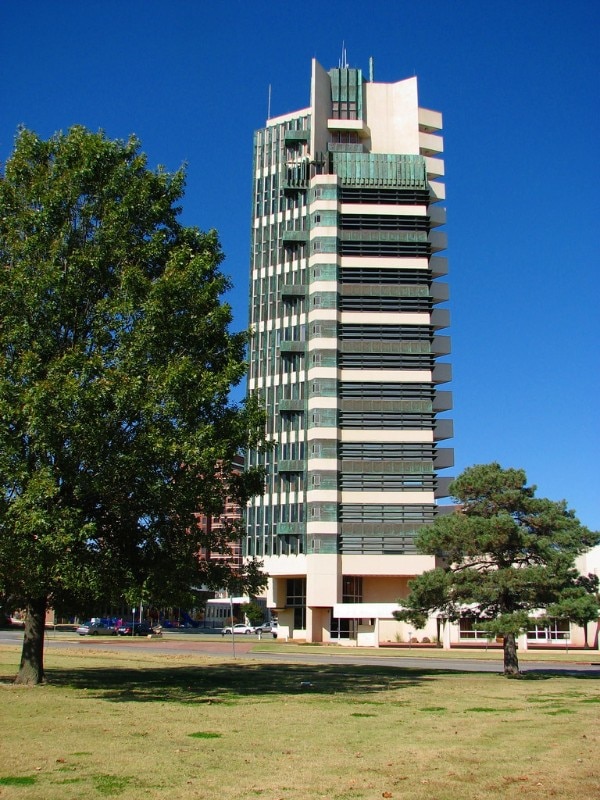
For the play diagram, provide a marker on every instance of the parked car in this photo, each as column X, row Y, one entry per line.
column 96, row 629
column 135, row 629
column 8, row 621
column 239, row 628
column 267, row 627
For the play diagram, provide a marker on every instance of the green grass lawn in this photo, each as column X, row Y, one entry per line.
column 174, row 727
column 564, row 656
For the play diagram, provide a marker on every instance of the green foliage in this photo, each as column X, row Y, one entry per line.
column 579, row 604
column 116, row 363
column 502, row 555
column 254, row 612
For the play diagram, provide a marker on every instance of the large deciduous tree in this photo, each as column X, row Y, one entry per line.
column 505, row 553
column 116, row 365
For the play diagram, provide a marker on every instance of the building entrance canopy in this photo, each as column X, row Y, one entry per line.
column 362, row 610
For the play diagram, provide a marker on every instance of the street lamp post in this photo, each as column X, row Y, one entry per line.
column 232, row 626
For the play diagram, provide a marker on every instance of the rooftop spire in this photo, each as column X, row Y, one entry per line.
column 343, row 59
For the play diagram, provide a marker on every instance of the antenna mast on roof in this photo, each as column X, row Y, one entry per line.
column 269, row 105
column 344, row 59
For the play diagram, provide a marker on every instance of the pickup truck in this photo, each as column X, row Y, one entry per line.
column 268, row 627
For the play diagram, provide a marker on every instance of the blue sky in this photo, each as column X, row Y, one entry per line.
column 517, row 83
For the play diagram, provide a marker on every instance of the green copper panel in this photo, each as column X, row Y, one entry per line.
column 380, row 169
column 387, row 467
column 323, row 272
column 290, row 528
column 385, row 347
column 323, row 387
column 286, row 404
column 297, row 135
column 324, row 358
column 324, row 244
column 329, row 218
column 347, row 91
column 292, row 236
column 325, row 512
column 383, row 236
column 291, row 465
column 383, row 290
column 324, row 300
column 293, row 290
column 388, row 406
column 292, row 347
column 324, row 448
column 322, row 543
column 324, row 192
column 350, row 147
column 296, row 176
column 327, row 329
column 323, row 418
column 324, row 480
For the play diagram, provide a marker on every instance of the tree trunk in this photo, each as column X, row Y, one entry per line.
column 511, row 660
column 31, row 669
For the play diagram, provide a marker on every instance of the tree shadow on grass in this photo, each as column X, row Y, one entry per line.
column 227, row 683
column 546, row 674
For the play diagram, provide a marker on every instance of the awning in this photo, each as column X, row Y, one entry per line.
column 361, row 610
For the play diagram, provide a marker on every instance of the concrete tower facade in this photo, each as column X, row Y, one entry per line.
column 345, row 307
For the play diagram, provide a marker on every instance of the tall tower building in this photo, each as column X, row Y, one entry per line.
column 346, row 353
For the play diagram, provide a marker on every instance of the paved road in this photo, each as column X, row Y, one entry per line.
column 588, row 665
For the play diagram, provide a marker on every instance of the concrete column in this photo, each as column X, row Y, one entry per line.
column 316, row 622
column 446, row 634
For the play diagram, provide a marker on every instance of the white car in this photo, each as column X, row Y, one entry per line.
column 239, row 628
